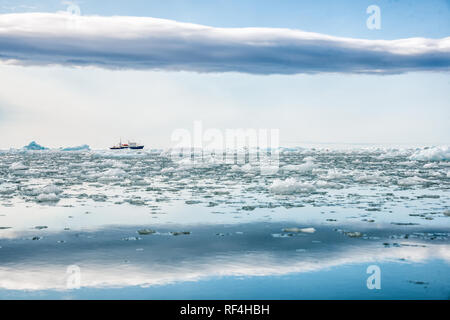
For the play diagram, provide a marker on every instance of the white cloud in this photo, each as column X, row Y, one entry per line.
column 149, row 43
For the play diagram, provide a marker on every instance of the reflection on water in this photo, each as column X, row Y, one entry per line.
column 140, row 225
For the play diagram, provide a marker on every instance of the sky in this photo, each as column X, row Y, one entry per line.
column 141, row 69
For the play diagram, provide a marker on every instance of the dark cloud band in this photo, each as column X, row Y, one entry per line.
column 148, row 43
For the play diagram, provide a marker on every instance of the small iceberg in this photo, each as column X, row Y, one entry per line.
column 34, row 146
column 83, row 147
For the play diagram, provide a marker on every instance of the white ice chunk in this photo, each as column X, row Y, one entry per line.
column 290, row 186
column 18, row 166
column 51, row 197
column 7, row 188
column 432, row 154
column 411, row 181
column 51, row 189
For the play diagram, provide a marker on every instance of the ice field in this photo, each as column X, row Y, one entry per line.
column 148, row 224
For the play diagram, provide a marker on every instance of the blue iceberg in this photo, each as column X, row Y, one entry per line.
column 84, row 147
column 34, row 146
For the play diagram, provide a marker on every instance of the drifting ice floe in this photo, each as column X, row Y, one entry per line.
column 291, row 186
column 327, row 185
column 7, row 188
column 51, row 189
column 432, row 154
column 334, row 175
column 371, row 178
column 18, row 166
column 114, row 173
column 308, row 166
column 411, row 181
column 50, row 197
